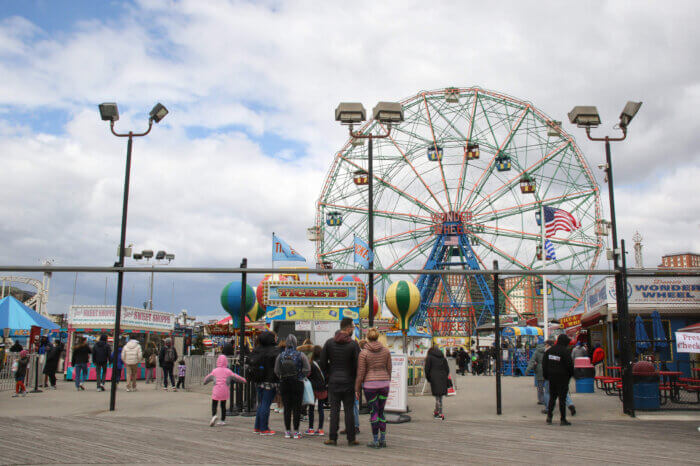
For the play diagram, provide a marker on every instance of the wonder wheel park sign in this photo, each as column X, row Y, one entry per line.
column 328, row 294
column 648, row 293
column 132, row 317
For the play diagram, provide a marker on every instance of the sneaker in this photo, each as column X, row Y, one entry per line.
column 54, row 388
column 24, row 393
column 268, row 432
column 128, row 389
column 213, row 421
column 165, row 388
column 297, row 435
column 82, row 387
column 549, row 419
column 373, row 445
column 382, row 443
column 320, row 432
column 287, row 434
column 572, row 409
column 564, row 422
column 15, row 395
column 310, row 432
column 221, row 423
column 544, row 411
column 331, row 442
column 174, row 389
column 134, row 389
column 257, row 431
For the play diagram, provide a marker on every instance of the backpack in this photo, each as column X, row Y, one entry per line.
column 169, row 355
column 256, row 367
column 289, row 366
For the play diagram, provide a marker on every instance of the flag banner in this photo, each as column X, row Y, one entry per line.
column 281, row 251
column 549, row 250
column 363, row 254
column 557, row 219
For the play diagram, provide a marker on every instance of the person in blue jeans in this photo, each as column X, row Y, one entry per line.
column 80, row 359
column 263, row 357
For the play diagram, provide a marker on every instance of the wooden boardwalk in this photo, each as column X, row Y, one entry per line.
column 122, row 440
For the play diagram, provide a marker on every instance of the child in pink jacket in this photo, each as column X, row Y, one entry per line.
column 222, row 377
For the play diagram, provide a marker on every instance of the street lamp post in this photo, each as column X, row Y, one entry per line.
column 109, row 112
column 385, row 113
column 587, row 117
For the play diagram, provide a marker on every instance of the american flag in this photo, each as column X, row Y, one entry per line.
column 549, row 250
column 557, row 219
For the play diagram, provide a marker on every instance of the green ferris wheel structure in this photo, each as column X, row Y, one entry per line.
column 462, row 181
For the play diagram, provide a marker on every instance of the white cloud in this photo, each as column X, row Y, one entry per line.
column 279, row 69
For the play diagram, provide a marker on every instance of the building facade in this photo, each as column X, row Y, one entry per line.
column 684, row 260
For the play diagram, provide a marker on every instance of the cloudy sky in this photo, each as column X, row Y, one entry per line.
column 251, row 87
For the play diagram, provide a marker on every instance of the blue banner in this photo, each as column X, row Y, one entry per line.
column 281, row 251
column 363, row 254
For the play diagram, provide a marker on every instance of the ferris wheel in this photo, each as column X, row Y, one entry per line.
column 463, row 181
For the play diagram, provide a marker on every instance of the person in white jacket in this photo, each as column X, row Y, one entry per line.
column 131, row 357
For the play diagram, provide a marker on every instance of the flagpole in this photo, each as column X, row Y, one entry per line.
column 272, row 258
column 545, row 303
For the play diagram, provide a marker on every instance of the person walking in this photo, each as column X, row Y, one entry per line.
column 436, row 373
column 80, row 359
column 535, row 364
column 558, row 368
column 51, row 366
column 292, row 366
column 181, row 373
column 374, row 376
column 132, row 355
column 261, row 371
column 150, row 357
column 320, row 387
column 222, row 377
column 339, row 360
column 21, row 373
column 462, row 358
column 100, row 358
column 166, row 359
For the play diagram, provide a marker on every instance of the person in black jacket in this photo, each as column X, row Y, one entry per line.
column 436, row 372
column 263, row 358
column 558, row 368
column 53, row 355
column 80, row 359
column 167, row 359
column 318, row 383
column 100, row 358
column 339, row 360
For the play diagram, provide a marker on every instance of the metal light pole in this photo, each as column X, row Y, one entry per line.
column 588, row 118
column 109, row 112
column 497, row 332
column 385, row 113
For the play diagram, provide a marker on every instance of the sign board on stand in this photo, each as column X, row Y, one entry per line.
column 398, row 390
column 687, row 342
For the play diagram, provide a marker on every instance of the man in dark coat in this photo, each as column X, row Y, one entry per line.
column 229, row 349
column 166, row 359
column 264, row 356
column 339, row 360
column 558, row 368
column 100, row 358
column 436, row 373
column 53, row 355
column 462, row 360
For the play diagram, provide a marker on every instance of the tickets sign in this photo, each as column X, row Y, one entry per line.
column 337, row 294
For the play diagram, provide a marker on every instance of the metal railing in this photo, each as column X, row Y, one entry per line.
column 198, row 367
column 7, row 377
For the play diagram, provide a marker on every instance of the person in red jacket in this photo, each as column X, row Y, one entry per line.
column 598, row 358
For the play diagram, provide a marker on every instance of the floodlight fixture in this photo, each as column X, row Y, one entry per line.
column 160, row 255
column 628, row 113
column 138, row 256
column 158, row 112
column 109, row 111
column 388, row 112
column 349, row 113
column 584, row 116
column 170, row 257
column 147, row 253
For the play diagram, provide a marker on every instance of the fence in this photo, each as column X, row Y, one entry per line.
column 198, row 367
column 7, row 377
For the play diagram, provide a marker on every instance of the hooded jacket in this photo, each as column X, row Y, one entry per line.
column 222, row 377
column 132, row 353
column 557, row 363
column 22, row 363
column 535, row 363
column 161, row 355
column 81, row 354
column 436, row 371
column 373, row 364
column 101, row 351
column 339, row 360
column 266, row 355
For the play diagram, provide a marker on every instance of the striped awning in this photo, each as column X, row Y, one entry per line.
column 522, row 331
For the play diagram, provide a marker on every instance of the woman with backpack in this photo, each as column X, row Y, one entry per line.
column 320, row 386
column 292, row 366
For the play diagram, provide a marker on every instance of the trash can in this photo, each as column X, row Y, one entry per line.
column 646, row 386
column 583, row 374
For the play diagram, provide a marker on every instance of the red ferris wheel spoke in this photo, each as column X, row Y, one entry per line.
column 379, row 241
column 417, row 218
column 516, row 179
column 503, row 145
column 394, row 188
column 534, row 205
column 533, row 236
column 442, row 171
column 403, row 154
column 414, row 248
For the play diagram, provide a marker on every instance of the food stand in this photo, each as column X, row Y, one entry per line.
column 145, row 325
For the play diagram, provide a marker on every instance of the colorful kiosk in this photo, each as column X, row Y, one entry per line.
column 145, row 325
